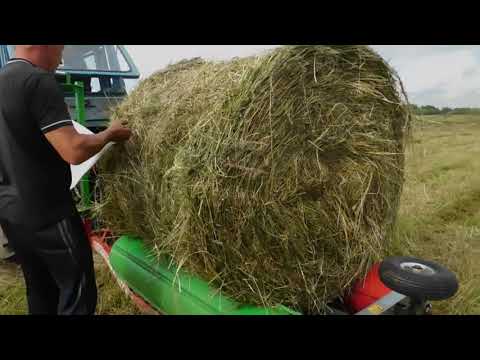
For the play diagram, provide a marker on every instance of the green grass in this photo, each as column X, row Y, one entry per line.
column 440, row 212
column 111, row 299
column 439, row 217
column 12, row 289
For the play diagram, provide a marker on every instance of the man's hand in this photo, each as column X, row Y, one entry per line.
column 117, row 132
column 76, row 148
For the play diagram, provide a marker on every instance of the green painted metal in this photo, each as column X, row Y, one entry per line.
column 80, row 109
column 78, row 89
column 174, row 292
column 80, row 102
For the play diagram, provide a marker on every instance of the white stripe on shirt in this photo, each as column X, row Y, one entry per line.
column 56, row 123
column 19, row 60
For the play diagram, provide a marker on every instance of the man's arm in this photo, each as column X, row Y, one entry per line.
column 75, row 148
column 49, row 111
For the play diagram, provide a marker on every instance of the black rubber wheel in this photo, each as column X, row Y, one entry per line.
column 418, row 279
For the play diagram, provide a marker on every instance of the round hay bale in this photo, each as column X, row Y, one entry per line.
column 276, row 177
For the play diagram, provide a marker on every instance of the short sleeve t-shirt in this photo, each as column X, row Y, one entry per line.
column 34, row 179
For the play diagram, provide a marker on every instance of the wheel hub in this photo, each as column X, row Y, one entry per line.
column 417, row 268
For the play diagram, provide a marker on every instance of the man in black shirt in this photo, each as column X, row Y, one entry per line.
column 37, row 213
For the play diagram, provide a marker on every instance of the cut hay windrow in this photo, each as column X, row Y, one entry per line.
column 276, row 177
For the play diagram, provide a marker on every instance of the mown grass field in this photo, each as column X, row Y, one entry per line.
column 111, row 300
column 439, row 217
column 440, row 213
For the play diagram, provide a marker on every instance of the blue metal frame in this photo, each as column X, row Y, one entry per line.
column 132, row 74
column 3, row 55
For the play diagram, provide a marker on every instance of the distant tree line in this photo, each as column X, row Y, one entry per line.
column 432, row 110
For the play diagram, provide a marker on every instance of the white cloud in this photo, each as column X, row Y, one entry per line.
column 443, row 75
column 438, row 71
column 150, row 58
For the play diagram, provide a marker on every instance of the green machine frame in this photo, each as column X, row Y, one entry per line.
column 79, row 91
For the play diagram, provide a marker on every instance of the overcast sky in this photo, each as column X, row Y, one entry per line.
column 440, row 75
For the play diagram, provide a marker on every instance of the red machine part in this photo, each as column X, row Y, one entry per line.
column 365, row 292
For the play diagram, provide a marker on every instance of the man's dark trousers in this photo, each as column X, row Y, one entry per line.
column 58, row 267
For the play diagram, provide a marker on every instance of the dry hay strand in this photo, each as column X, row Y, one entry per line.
column 276, row 177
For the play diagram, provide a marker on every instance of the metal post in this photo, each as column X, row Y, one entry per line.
column 80, row 109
